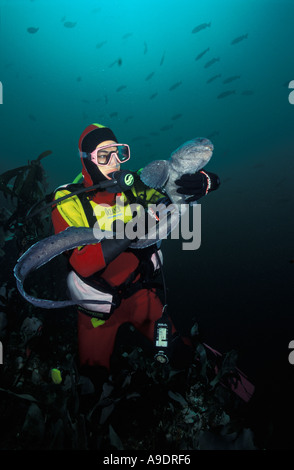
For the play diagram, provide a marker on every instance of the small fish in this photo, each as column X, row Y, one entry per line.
column 202, row 53
column 69, row 24
column 226, row 93
column 153, row 96
column 145, row 48
column 239, row 39
column 200, row 27
column 32, row 30
column 232, row 78
column 211, row 79
column 100, row 44
column 114, row 114
column 128, row 118
column 120, row 88
column 175, row 85
column 176, row 116
column 162, row 58
column 127, row 35
column 117, row 61
column 167, row 127
column 32, row 117
column 79, row 79
column 149, row 76
column 211, row 62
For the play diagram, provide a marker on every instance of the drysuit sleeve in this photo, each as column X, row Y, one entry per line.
column 87, row 260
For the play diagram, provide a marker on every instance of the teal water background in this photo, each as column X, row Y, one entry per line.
column 56, row 81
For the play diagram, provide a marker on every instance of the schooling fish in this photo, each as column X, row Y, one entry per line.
column 32, row 30
column 211, row 62
column 226, row 93
column 120, row 88
column 69, row 24
column 100, row 44
column 176, row 116
column 213, row 78
column 232, row 78
column 167, row 127
column 149, row 76
column 202, row 53
column 162, row 59
column 200, row 27
column 175, row 85
column 239, row 39
column 189, row 157
column 127, row 35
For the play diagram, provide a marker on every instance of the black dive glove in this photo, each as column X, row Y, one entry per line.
column 197, row 184
column 113, row 247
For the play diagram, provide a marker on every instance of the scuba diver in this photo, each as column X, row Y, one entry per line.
column 121, row 278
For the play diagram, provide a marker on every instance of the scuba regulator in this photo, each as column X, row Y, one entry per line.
column 120, row 181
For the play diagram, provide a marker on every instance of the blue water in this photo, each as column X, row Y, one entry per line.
column 56, row 81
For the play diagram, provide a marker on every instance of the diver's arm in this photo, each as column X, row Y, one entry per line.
column 87, row 260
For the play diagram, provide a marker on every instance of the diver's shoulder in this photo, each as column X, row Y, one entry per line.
column 65, row 189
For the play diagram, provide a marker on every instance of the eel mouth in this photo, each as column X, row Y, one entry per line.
column 205, row 144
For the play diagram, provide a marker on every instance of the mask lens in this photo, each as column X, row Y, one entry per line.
column 123, row 153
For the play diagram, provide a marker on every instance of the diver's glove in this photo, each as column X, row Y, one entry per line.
column 112, row 247
column 197, row 185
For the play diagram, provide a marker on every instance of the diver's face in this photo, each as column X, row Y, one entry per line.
column 102, row 155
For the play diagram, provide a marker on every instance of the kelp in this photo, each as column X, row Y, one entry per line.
column 139, row 405
column 23, row 187
column 28, row 180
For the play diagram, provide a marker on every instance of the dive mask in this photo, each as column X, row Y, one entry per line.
column 103, row 156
